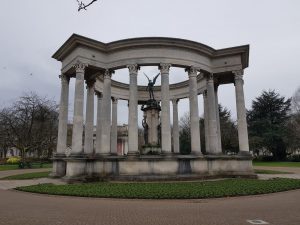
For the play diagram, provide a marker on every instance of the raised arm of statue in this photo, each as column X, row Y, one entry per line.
column 147, row 77
column 154, row 79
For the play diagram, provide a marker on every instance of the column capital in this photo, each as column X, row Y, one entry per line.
column 64, row 78
column 99, row 94
column 133, row 68
column 192, row 71
column 164, row 68
column 80, row 67
column 238, row 76
column 175, row 101
column 108, row 73
column 114, row 100
column 238, row 72
column 210, row 77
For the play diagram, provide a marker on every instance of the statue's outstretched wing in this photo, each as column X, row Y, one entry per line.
column 147, row 77
column 154, row 79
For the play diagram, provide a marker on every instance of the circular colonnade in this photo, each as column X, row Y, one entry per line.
column 93, row 63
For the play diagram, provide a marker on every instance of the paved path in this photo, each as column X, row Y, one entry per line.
column 10, row 184
column 34, row 209
column 295, row 172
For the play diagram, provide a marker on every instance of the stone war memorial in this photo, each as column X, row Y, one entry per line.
column 92, row 64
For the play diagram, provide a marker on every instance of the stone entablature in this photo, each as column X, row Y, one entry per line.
column 95, row 63
column 150, row 51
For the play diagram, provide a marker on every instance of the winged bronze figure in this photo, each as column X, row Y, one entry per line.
column 151, row 85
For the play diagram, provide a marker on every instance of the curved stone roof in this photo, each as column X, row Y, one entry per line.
column 151, row 51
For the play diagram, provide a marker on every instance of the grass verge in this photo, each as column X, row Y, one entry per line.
column 279, row 164
column 176, row 190
column 34, row 166
column 27, row 176
column 258, row 171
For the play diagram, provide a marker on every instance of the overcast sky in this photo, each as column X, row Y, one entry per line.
column 32, row 30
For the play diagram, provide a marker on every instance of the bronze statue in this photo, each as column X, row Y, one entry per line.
column 151, row 85
column 146, row 128
column 159, row 134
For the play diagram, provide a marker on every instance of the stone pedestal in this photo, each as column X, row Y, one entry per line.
column 158, row 167
column 152, row 128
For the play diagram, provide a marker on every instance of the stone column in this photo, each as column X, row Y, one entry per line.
column 206, row 130
column 99, row 122
column 63, row 116
column 114, row 127
column 89, row 115
column 106, row 114
column 165, row 109
column 194, row 113
column 133, row 110
column 78, row 110
column 241, row 111
column 59, row 165
column 218, row 118
column 175, row 126
column 212, row 120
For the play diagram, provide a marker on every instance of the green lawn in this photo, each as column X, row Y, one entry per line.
column 279, row 164
column 27, row 176
column 15, row 166
column 169, row 190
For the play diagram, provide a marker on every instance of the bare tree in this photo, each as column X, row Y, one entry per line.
column 293, row 126
column 185, row 134
column 296, row 101
column 30, row 125
column 82, row 5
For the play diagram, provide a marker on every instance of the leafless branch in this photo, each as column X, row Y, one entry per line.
column 81, row 5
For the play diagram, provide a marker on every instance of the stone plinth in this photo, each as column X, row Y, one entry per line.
column 158, row 167
column 151, row 114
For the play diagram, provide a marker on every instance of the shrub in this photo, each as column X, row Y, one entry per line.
column 294, row 158
column 13, row 160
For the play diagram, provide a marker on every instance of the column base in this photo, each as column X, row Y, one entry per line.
column 167, row 154
column 102, row 155
column 197, row 153
column 244, row 153
column 77, row 155
column 58, row 169
column 59, row 155
column 133, row 153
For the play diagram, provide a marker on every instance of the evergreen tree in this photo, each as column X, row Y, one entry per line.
column 267, row 121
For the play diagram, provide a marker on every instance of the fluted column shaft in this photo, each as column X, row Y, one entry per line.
column 206, row 129
column 133, row 111
column 165, row 109
column 99, row 123
column 63, row 115
column 218, row 118
column 78, row 110
column 106, row 114
column 194, row 112
column 212, row 120
column 114, row 127
column 89, row 121
column 175, row 126
column 241, row 111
